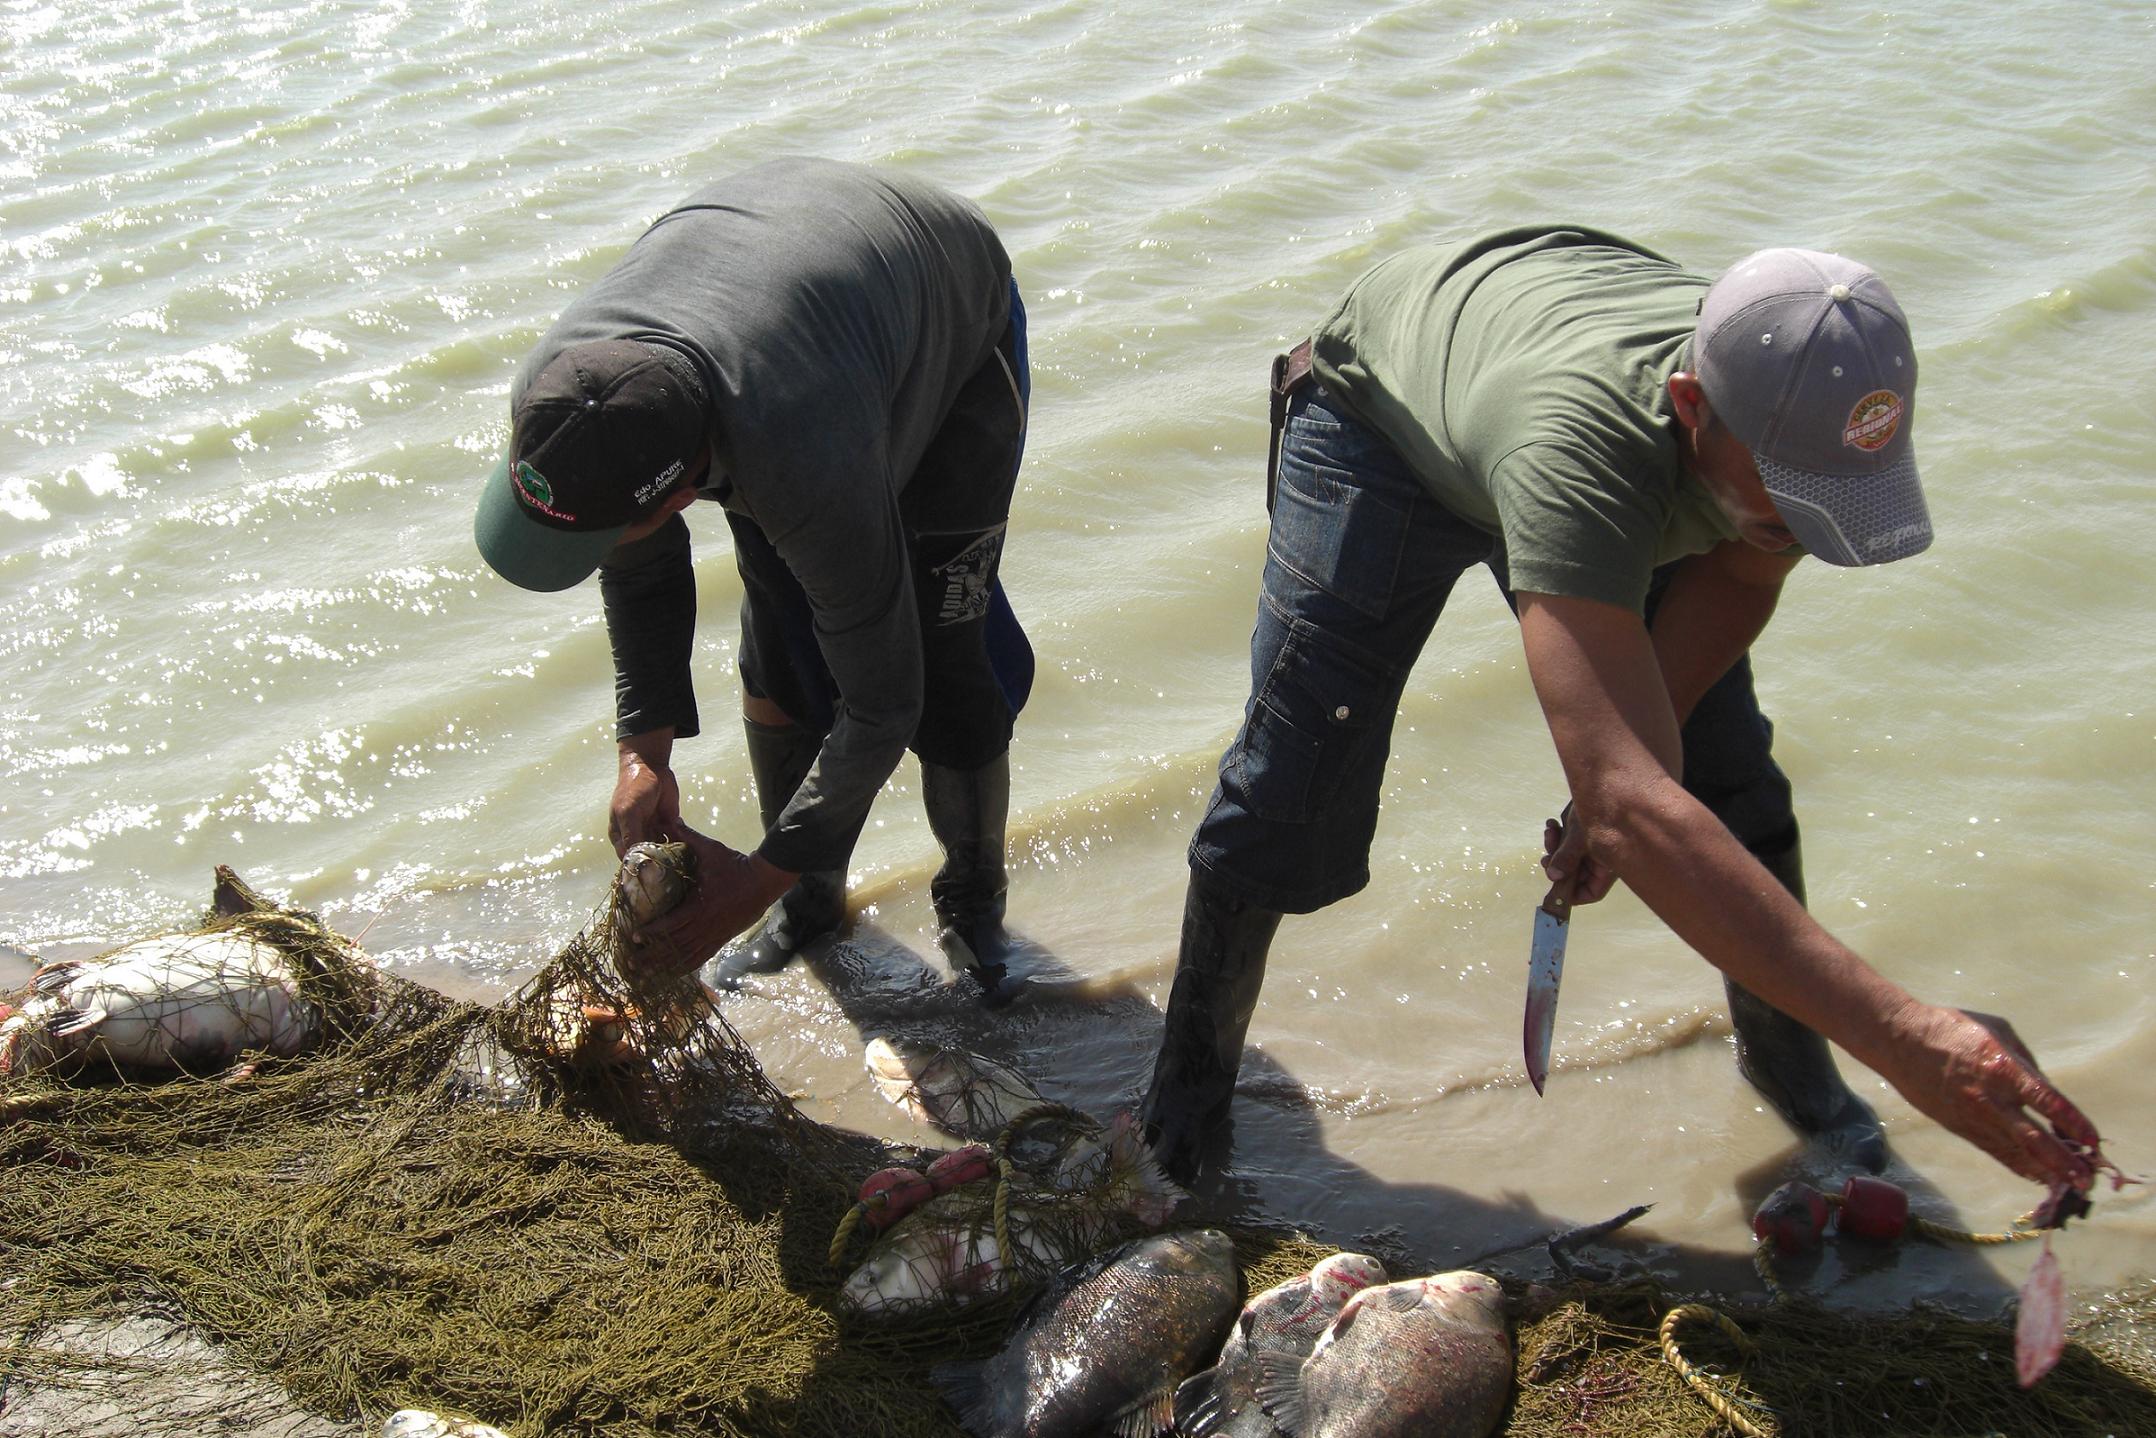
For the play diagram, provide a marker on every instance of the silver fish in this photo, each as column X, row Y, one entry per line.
column 590, row 1028
column 193, row 1002
column 1427, row 1358
column 1289, row 1318
column 962, row 1094
column 421, row 1423
column 1101, row 1349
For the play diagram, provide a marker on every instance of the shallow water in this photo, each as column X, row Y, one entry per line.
column 267, row 274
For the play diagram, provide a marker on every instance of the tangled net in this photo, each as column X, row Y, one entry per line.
column 453, row 1206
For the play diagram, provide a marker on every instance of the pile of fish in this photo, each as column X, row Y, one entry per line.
column 1222, row 1402
column 937, row 1240
column 1109, row 1347
column 1428, row 1357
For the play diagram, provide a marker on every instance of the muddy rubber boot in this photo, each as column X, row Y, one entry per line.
column 779, row 758
column 967, row 812
column 1218, row 972
column 1791, row 1065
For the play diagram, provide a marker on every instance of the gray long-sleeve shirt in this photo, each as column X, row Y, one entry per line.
column 832, row 312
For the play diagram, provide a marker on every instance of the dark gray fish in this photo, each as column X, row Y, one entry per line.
column 1101, row 1349
column 1428, row 1358
column 1222, row 1402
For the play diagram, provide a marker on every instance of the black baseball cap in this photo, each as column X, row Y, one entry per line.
column 600, row 438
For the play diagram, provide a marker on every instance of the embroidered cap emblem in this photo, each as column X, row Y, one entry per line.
column 532, row 488
column 1873, row 420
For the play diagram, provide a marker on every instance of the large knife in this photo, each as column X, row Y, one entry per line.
column 1545, row 966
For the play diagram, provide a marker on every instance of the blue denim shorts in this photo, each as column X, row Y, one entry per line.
column 977, row 666
column 1358, row 565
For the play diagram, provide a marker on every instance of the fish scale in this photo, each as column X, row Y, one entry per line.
column 1426, row 1358
column 1102, row 1348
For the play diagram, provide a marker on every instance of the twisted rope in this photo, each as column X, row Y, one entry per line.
column 1724, row 1407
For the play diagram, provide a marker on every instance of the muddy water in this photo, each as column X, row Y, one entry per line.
column 266, row 276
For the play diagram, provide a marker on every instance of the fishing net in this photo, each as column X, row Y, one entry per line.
column 1595, row 1363
column 586, row 1210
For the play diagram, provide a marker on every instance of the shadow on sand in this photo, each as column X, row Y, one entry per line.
column 1091, row 1044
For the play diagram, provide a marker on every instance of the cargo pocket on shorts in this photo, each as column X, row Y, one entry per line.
column 1309, row 730
column 1338, row 536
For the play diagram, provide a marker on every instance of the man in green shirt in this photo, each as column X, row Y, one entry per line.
column 1642, row 457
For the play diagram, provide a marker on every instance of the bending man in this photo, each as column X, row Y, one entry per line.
column 837, row 358
column 1640, row 455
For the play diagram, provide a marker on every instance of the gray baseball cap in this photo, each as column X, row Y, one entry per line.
column 1807, row 359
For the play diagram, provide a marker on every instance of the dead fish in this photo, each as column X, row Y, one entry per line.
column 587, row 1028
column 653, row 878
column 962, row 1094
column 1287, row 1319
column 1100, row 1349
column 192, row 1002
column 2040, row 1322
column 420, row 1423
column 946, row 1252
column 1427, row 1358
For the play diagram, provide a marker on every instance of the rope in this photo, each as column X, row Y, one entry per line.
column 15, row 1105
column 1006, row 1170
column 1763, row 1263
column 1723, row 1406
column 846, row 1226
column 2019, row 1233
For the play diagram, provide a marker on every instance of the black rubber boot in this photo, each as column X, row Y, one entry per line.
column 1791, row 1066
column 779, row 758
column 967, row 812
column 1218, row 973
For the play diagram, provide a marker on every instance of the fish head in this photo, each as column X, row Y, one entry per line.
column 1337, row 1279
column 1467, row 1296
column 1198, row 1250
column 26, row 1039
column 652, row 879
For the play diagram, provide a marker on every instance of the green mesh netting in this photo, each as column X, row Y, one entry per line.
column 490, row 1211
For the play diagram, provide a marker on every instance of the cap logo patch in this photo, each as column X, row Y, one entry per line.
column 1873, row 420
column 532, row 488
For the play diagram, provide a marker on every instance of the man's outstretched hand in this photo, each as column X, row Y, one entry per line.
column 1972, row 1073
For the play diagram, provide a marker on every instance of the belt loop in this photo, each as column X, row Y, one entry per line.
column 1291, row 372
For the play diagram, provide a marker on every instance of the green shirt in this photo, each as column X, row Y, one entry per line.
column 1524, row 377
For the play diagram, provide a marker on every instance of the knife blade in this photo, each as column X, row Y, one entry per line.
column 1545, row 967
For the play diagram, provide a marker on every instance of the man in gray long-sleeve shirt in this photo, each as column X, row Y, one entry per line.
column 837, row 357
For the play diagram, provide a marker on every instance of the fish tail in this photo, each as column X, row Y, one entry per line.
column 50, row 978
